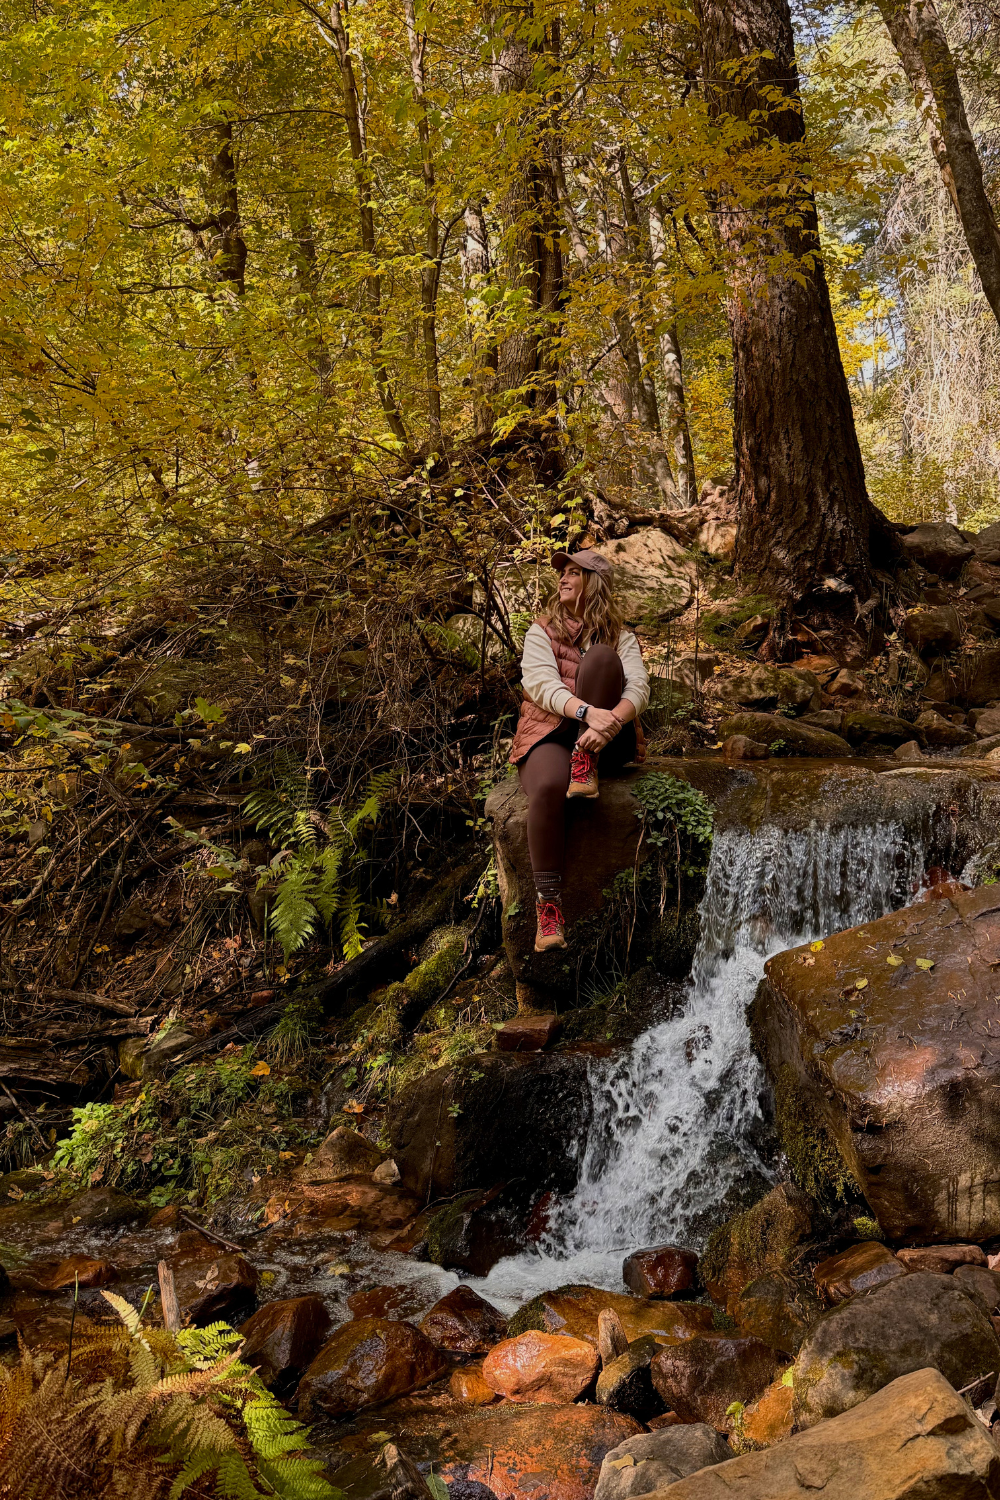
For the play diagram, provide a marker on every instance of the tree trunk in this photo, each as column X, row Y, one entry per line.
column 476, row 276
column 430, row 270
column 674, row 404
column 922, row 45
column 227, row 246
column 336, row 30
column 803, row 509
column 530, row 253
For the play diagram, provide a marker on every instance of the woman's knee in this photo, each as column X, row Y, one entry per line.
column 601, row 673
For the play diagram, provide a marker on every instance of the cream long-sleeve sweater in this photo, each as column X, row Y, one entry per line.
column 543, row 685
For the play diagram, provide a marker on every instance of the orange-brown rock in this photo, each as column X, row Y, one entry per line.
column 467, row 1384
column 546, row 1367
column 575, row 1309
column 464, row 1323
column 741, row 747
column 770, row 1418
column 859, row 1268
column 876, row 1073
column 357, row 1203
column 702, row 1377
column 367, row 1362
column 533, row 1453
column 213, row 1284
column 282, row 1339
column 530, row 1033
column 943, row 1259
column 82, row 1270
column 661, row 1271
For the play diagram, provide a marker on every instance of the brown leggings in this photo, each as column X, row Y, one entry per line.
column 544, row 771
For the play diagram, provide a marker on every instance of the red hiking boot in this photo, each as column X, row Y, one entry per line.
column 582, row 774
column 551, row 929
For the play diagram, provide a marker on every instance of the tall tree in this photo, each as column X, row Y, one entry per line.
column 922, row 44
column 802, row 504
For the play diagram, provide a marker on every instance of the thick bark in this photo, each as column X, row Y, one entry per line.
column 306, row 265
column 802, row 505
column 922, row 45
column 530, row 252
column 430, row 270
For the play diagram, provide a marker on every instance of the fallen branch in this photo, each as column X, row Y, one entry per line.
column 82, row 997
column 210, row 1234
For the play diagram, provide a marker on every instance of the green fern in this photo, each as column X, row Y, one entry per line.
column 309, row 881
column 150, row 1413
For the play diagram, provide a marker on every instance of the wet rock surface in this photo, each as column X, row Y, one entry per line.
column 626, row 1383
column 779, row 1310
column 282, row 1339
column 574, row 1310
column 463, row 1322
column 919, row 1322
column 915, row 1438
column 661, row 1271
column 875, row 1037
column 858, row 1269
column 544, row 1367
column 367, row 1362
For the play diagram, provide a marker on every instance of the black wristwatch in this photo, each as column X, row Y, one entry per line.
column 581, row 712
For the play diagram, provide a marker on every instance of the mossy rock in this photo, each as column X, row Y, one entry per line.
column 425, row 984
column 445, row 1228
column 813, row 1155
column 764, row 1239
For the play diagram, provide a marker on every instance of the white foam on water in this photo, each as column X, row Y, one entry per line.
column 674, row 1116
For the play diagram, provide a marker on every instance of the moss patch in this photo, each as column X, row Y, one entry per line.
column 445, row 1228
column 813, row 1155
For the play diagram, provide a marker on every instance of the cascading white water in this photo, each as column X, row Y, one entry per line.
column 673, row 1118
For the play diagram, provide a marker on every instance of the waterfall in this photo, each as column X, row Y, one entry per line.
column 676, row 1117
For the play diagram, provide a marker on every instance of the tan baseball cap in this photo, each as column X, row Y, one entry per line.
column 588, row 559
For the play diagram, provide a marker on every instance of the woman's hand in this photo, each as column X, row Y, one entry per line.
column 593, row 740
column 604, row 722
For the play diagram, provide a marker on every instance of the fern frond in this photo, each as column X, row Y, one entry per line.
column 126, row 1312
column 351, row 930
column 299, row 1479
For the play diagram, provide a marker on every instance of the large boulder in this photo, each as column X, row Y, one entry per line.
column 656, row 1459
column 939, row 547
column 919, row 1322
column 779, row 1310
column 867, row 729
column 978, row 679
column 884, row 1050
column 915, row 1440
column 525, row 1453
column 464, row 1323
column 775, row 687
column 211, row 1285
column 490, row 1118
column 791, row 737
column 653, row 574
column 366, row 1362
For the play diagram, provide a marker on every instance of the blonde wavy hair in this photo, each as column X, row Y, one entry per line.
column 602, row 614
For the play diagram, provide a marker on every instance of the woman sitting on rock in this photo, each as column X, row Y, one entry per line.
column 584, row 684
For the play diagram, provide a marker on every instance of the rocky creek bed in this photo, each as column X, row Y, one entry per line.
column 727, row 1253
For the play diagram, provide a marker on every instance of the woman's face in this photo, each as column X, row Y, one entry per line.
column 572, row 582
